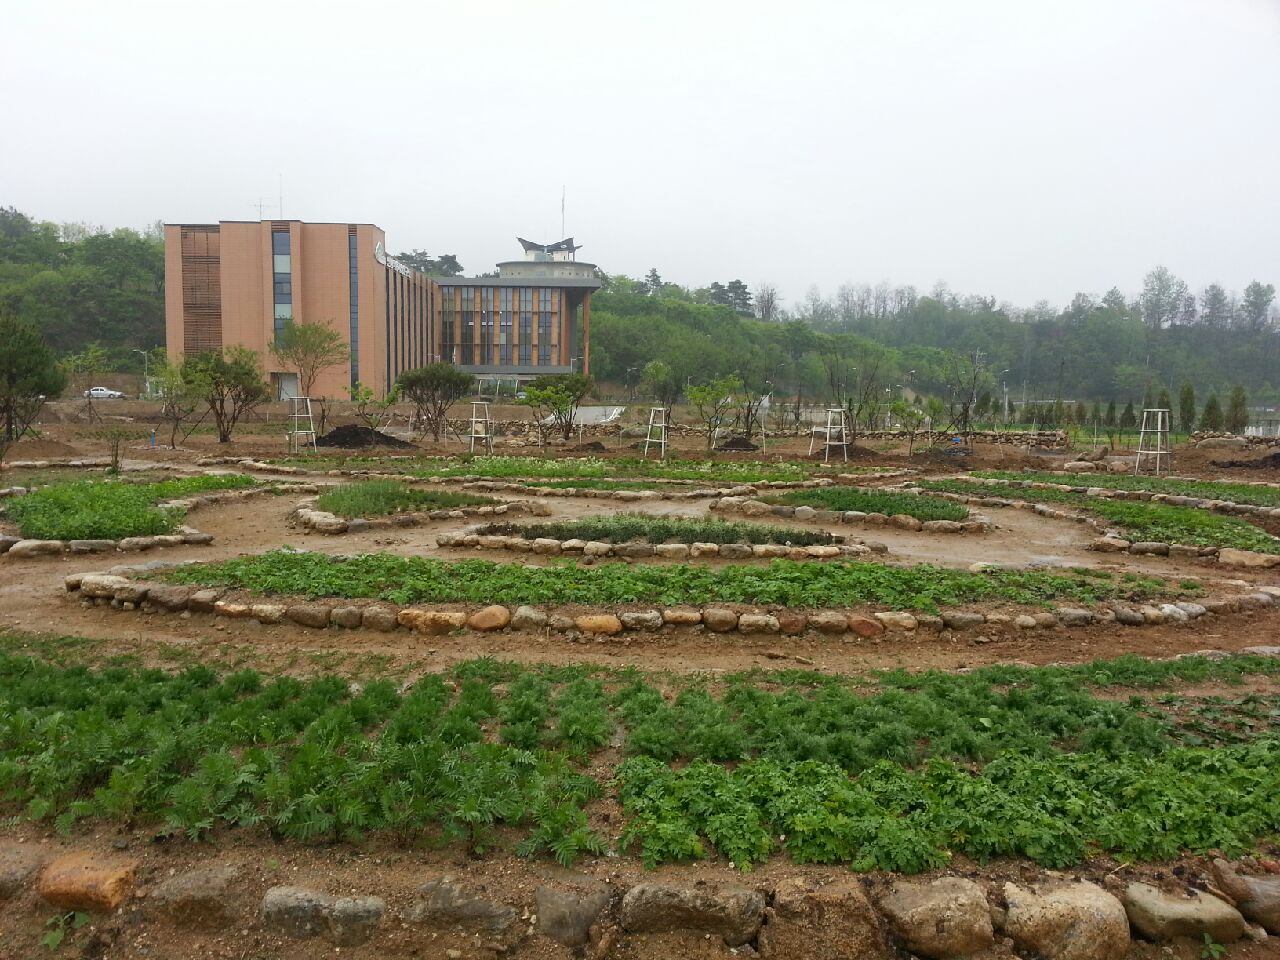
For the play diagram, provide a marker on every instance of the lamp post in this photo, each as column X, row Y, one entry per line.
column 146, row 370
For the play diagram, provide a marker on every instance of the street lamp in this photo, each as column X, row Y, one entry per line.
column 146, row 369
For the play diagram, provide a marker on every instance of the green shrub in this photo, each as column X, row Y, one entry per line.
column 621, row 528
column 376, row 498
column 783, row 582
column 843, row 499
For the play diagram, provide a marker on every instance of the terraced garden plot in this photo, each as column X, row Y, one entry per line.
column 1139, row 519
column 884, row 772
column 1204, row 489
column 788, row 583
column 844, row 499
column 625, row 527
column 378, row 498
column 109, row 509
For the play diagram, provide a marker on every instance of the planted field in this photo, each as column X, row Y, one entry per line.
column 894, row 772
column 844, row 499
column 625, row 527
column 788, row 583
column 377, row 498
column 707, row 471
column 1139, row 519
column 109, row 509
column 1204, row 489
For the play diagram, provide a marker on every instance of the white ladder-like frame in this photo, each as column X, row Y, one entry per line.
column 1153, row 440
column 657, row 422
column 481, row 426
column 302, row 427
column 834, row 434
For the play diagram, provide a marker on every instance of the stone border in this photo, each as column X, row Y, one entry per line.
column 947, row 918
column 757, row 508
column 115, row 588
column 1112, row 541
column 476, row 537
column 18, row 548
column 321, row 521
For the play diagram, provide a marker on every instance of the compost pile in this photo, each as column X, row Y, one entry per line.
column 1270, row 462
column 353, row 437
column 737, row 443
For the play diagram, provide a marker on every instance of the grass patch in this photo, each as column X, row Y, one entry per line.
column 622, row 528
column 900, row 776
column 1139, row 519
column 843, row 499
column 377, row 498
column 1204, row 489
column 109, row 509
column 708, row 471
column 784, row 582
column 595, row 483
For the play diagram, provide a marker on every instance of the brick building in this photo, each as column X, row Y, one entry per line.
column 238, row 282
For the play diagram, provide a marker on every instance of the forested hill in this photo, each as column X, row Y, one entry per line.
column 1105, row 349
column 79, row 284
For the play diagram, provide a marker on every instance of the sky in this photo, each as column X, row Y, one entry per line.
column 1021, row 149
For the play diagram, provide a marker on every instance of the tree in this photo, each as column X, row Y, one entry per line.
column 308, row 348
column 1128, row 419
column 1211, row 416
column 28, row 374
column 369, row 410
column 1256, row 305
column 1162, row 298
column 1110, row 420
column 1081, row 414
column 653, row 282
column 1187, row 408
column 663, row 382
column 767, row 302
column 1237, row 417
column 739, row 296
column 432, row 390
column 910, row 418
column 554, row 401
column 1215, row 307
column 1095, row 415
column 83, row 369
column 715, row 401
column 1163, row 402
column 178, row 399
column 229, row 382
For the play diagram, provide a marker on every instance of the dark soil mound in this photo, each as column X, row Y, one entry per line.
column 594, row 446
column 737, row 443
column 353, row 437
column 1270, row 462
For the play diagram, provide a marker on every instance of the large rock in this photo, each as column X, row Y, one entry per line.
column 1068, row 921
column 834, row 921
column 1231, row 557
column 895, row 620
column 36, row 548
column 310, row 614
column 83, row 881
column 829, row 621
column 1161, row 916
column 447, row 902
column 566, row 914
column 719, row 619
column 757, row 623
column 301, row 913
column 493, row 617
column 432, row 622
column 1222, row 443
column 528, row 618
column 865, row 626
column 18, row 862
column 101, row 584
column 642, row 620
column 732, row 912
column 943, row 919
column 1258, row 898
column 605, row 624
column 169, row 596
column 381, row 617
column 962, row 619
column 200, row 897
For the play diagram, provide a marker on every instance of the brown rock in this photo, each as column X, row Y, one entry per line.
column 719, row 619
column 943, row 919
column 605, row 623
column 380, row 617
column 729, row 910
column 169, row 596
column 865, row 626
column 493, row 617
column 791, row 623
column 309, row 614
column 201, row 897
column 83, row 881
column 829, row 621
column 682, row 616
column 18, row 861
column 830, row 922
column 432, row 622
column 347, row 616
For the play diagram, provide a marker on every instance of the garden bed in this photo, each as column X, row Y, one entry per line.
column 378, row 498
column 769, row 506
column 643, row 528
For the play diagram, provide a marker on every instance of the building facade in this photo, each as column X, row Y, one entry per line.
column 239, row 282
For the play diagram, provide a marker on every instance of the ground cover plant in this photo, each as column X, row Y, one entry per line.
column 377, row 498
column 894, row 771
column 888, row 502
column 109, row 509
column 710, row 471
column 624, row 527
column 1204, row 489
column 1138, row 519
column 783, row 582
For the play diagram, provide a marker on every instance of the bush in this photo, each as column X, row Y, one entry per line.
column 843, row 499
column 376, row 498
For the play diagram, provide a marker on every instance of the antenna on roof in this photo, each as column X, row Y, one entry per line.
column 281, row 208
column 260, row 205
column 562, row 233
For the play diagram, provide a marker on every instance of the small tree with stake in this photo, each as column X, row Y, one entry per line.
column 229, row 382
column 307, row 349
column 432, row 390
column 28, row 374
column 715, row 402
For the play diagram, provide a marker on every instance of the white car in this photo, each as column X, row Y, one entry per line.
column 103, row 393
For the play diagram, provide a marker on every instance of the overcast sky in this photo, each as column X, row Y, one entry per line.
column 1024, row 149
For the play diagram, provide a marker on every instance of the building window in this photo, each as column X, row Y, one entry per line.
column 447, row 341
column 281, row 280
column 504, row 331
column 486, row 325
column 546, row 320
column 468, row 326
column 526, row 327
column 353, row 264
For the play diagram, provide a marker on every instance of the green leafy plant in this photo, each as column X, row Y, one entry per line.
column 845, row 499
column 624, row 527
column 376, row 498
column 58, row 927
